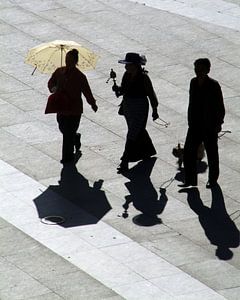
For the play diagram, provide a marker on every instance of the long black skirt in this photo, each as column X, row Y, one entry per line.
column 138, row 149
column 138, row 142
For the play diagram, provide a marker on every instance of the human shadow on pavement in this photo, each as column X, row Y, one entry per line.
column 201, row 168
column 219, row 228
column 143, row 195
column 73, row 199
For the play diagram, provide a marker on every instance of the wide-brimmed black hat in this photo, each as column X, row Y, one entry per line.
column 133, row 58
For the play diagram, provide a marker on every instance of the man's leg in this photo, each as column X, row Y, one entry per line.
column 193, row 140
column 68, row 126
column 211, row 145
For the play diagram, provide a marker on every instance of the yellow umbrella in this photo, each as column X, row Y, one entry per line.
column 47, row 57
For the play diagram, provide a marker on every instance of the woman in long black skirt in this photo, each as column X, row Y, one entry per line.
column 137, row 90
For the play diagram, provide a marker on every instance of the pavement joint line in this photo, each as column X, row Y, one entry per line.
column 93, row 262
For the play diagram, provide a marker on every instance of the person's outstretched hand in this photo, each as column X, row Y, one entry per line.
column 94, row 107
column 155, row 115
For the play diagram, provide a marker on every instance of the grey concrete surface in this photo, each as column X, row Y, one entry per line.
column 80, row 262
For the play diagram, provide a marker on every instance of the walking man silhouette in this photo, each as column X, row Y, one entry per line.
column 205, row 118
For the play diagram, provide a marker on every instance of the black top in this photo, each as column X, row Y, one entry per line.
column 138, row 87
column 206, row 108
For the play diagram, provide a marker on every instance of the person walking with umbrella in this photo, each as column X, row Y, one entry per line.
column 71, row 83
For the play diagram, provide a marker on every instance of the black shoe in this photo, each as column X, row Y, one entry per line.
column 67, row 160
column 211, row 184
column 78, row 142
column 77, row 156
column 123, row 167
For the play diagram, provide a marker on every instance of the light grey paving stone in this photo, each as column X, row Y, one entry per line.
column 35, row 6
column 207, row 294
column 12, row 242
column 11, row 84
column 15, row 284
column 143, row 290
column 138, row 233
column 16, row 15
column 190, row 33
column 33, row 132
column 44, row 30
column 77, row 285
column 192, row 229
column 34, row 164
column 25, row 100
column 40, row 263
column 215, row 274
column 6, row 3
column 177, row 249
column 12, row 115
column 98, row 136
column 48, row 119
column 3, row 223
column 231, row 105
column 12, row 148
column 107, row 118
column 51, row 149
column 178, row 284
column 49, row 296
column 230, row 294
column 177, row 74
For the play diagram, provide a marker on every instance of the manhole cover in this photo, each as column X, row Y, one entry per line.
column 53, row 220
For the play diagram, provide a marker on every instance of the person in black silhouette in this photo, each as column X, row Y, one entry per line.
column 217, row 224
column 205, row 117
column 73, row 83
column 136, row 88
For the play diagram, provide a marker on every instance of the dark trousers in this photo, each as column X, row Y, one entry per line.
column 193, row 140
column 68, row 125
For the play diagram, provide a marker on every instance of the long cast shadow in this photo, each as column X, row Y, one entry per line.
column 201, row 168
column 143, row 195
column 219, row 228
column 79, row 203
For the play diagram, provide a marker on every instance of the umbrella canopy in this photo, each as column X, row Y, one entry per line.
column 47, row 57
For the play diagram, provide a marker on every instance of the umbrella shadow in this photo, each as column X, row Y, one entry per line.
column 143, row 195
column 219, row 228
column 73, row 199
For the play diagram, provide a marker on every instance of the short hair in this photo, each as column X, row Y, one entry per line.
column 203, row 62
column 74, row 54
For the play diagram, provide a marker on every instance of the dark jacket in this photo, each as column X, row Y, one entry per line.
column 206, row 107
column 140, row 86
column 73, row 83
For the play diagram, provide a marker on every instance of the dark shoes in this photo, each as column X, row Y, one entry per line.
column 67, row 160
column 123, row 167
column 78, row 142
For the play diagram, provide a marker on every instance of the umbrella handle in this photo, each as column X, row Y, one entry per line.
column 34, row 70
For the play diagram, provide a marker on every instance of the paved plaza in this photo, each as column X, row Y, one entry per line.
column 108, row 246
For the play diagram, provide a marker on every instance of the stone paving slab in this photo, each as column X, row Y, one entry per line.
column 31, row 271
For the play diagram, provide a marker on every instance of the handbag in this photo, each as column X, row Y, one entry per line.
column 58, row 102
